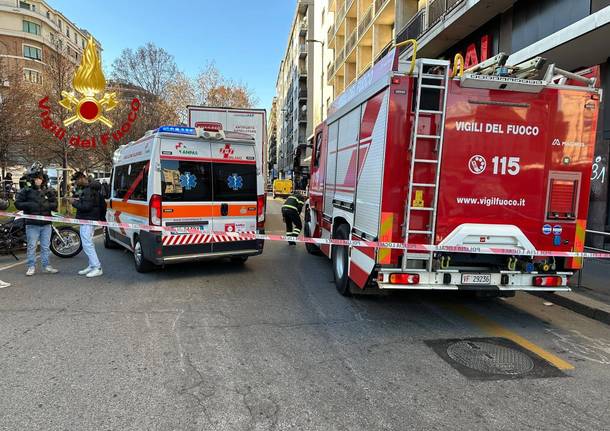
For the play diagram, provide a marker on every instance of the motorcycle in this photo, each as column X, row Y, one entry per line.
column 65, row 240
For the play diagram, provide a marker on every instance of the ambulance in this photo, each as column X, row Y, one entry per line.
column 185, row 179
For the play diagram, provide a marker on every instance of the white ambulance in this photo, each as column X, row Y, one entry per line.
column 185, row 178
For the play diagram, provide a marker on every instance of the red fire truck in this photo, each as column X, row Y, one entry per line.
column 488, row 158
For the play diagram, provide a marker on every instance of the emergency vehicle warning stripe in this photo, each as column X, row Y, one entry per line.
column 250, row 236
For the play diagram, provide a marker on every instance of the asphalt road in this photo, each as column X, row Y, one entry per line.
column 271, row 345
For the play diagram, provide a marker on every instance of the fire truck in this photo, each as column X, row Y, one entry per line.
column 419, row 153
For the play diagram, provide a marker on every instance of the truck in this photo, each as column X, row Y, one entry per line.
column 252, row 122
column 447, row 163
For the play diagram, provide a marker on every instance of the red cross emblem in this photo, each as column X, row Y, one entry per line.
column 227, row 151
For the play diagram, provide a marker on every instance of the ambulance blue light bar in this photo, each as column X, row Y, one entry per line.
column 178, row 129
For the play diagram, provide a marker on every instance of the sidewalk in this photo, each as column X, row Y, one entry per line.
column 592, row 296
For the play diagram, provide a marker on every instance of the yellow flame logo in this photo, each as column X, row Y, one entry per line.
column 89, row 81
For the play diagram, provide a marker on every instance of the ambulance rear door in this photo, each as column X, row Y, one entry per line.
column 187, row 194
column 235, row 188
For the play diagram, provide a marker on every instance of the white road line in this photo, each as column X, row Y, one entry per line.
column 24, row 260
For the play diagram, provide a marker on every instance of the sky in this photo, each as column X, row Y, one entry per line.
column 246, row 39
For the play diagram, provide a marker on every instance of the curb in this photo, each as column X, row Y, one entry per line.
column 580, row 304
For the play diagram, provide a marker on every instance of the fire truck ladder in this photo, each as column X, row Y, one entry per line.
column 432, row 77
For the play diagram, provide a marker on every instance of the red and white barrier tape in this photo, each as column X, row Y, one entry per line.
column 209, row 236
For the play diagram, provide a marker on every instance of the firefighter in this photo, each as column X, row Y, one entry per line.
column 291, row 213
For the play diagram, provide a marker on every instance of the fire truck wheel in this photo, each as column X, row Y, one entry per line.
column 142, row 265
column 340, row 261
column 311, row 248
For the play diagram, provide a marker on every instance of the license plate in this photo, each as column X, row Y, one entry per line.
column 476, row 278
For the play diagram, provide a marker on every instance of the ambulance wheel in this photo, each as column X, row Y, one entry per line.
column 108, row 243
column 340, row 260
column 142, row 265
column 239, row 260
column 311, row 248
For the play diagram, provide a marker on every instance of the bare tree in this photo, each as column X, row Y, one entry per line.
column 149, row 67
column 16, row 115
column 213, row 89
column 180, row 94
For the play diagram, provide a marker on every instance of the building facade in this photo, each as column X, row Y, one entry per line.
column 30, row 30
column 272, row 142
column 294, row 94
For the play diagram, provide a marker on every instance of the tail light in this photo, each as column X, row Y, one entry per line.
column 260, row 211
column 155, row 211
column 549, row 280
column 404, row 278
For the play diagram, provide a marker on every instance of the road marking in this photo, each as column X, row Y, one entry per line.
column 12, row 265
column 497, row 330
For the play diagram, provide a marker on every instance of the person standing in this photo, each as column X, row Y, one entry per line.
column 88, row 207
column 37, row 199
column 291, row 213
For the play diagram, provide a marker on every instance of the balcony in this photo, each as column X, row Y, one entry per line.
column 340, row 56
column 366, row 20
column 330, row 70
column 379, row 4
column 445, row 22
column 351, row 42
column 304, row 27
column 331, row 34
column 414, row 28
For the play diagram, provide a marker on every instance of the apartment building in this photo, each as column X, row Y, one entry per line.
column 294, row 94
column 31, row 30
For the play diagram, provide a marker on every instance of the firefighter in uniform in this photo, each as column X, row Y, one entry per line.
column 291, row 213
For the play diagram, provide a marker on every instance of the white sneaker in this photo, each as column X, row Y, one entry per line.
column 86, row 271
column 50, row 270
column 96, row 272
column 31, row 271
column 4, row 284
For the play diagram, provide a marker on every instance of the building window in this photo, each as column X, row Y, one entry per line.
column 68, row 32
column 32, row 52
column 59, row 23
column 24, row 5
column 48, row 15
column 33, row 76
column 31, row 27
column 82, row 42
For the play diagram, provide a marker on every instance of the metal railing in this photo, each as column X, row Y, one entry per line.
column 436, row 10
column 367, row 19
column 330, row 70
column 379, row 5
column 351, row 42
column 331, row 33
column 340, row 56
column 596, row 232
column 414, row 28
column 427, row 18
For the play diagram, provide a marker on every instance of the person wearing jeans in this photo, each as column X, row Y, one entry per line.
column 37, row 199
column 88, row 207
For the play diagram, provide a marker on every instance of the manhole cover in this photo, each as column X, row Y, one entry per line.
column 490, row 358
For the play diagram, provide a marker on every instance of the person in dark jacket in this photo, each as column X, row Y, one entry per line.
column 87, row 204
column 37, row 199
column 291, row 213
